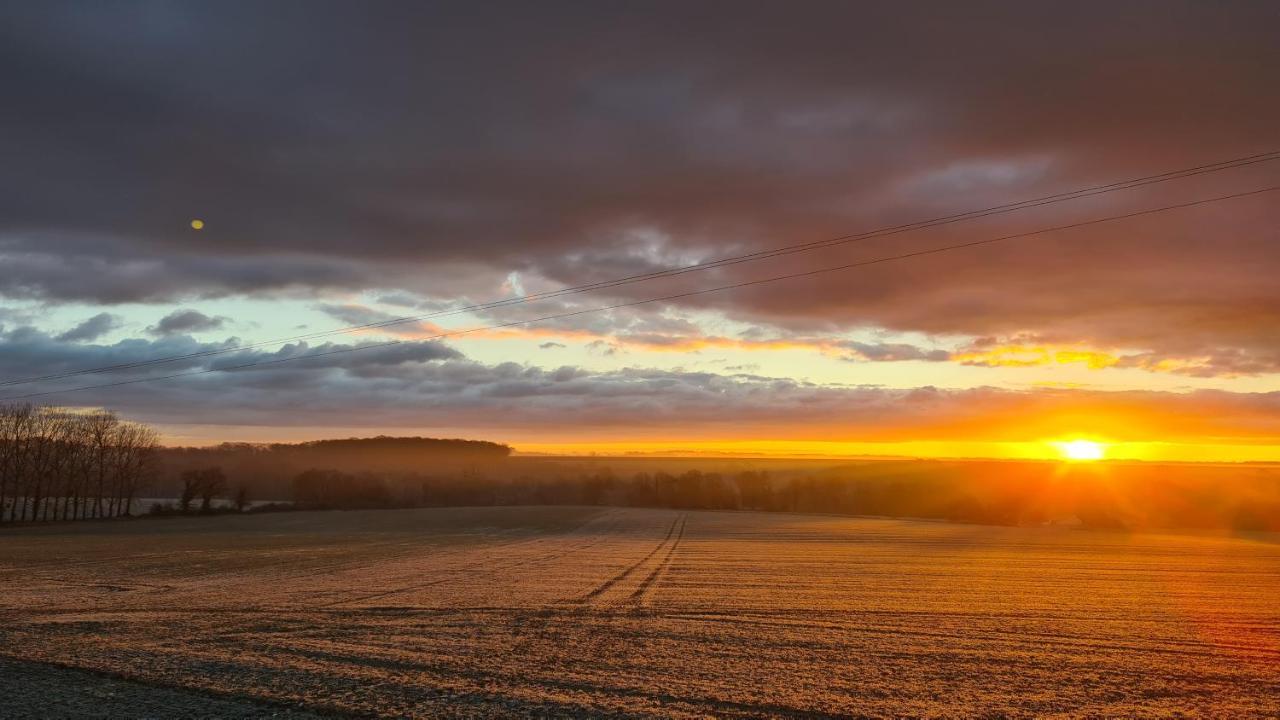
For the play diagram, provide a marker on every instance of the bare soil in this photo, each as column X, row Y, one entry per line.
column 571, row 612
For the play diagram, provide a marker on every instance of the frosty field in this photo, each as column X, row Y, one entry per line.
column 495, row 612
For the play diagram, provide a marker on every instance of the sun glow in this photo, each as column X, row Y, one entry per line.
column 1081, row 450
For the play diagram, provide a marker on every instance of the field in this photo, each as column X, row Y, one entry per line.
column 543, row 611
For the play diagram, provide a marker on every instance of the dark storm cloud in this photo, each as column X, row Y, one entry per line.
column 186, row 321
column 92, row 328
column 434, row 148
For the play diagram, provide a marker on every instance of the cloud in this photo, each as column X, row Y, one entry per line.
column 181, row 322
column 743, row 133
column 551, row 344
column 1029, row 351
column 14, row 315
column 355, row 315
column 26, row 351
column 894, row 352
column 92, row 328
column 418, row 385
column 29, row 352
column 604, row 348
column 414, row 384
column 401, row 299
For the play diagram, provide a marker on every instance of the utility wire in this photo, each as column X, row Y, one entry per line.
column 708, row 265
column 677, row 296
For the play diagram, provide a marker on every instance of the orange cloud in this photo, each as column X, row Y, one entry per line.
column 1036, row 355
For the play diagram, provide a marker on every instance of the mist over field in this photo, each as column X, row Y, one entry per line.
column 421, row 472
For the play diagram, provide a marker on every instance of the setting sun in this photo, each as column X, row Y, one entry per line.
column 1081, row 450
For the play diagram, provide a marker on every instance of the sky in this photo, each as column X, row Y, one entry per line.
column 352, row 163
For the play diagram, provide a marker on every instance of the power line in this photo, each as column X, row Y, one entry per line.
column 677, row 296
column 712, row 264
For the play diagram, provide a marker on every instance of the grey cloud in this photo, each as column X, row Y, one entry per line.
column 401, row 299
column 894, row 352
column 354, row 358
column 27, row 352
column 354, row 314
column 55, row 267
column 181, row 322
column 361, row 315
column 550, row 345
column 92, row 328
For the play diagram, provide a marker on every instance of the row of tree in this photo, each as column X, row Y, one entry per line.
column 1137, row 496
column 61, row 464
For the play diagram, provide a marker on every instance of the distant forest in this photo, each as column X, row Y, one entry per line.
column 57, row 464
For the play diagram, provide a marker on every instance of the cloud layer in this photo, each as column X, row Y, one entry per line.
column 332, row 146
column 430, row 385
column 436, row 155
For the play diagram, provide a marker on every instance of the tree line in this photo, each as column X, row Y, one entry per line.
column 269, row 468
column 61, row 464
column 1135, row 496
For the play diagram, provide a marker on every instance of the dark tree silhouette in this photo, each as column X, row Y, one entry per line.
column 241, row 498
column 206, row 484
column 213, row 485
column 61, row 464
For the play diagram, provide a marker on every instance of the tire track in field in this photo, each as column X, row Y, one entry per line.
column 446, row 574
column 609, row 593
column 487, row 565
column 641, row 594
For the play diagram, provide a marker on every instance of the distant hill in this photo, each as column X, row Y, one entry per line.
column 394, row 448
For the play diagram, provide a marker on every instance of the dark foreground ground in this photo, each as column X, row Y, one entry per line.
column 501, row 612
column 32, row 690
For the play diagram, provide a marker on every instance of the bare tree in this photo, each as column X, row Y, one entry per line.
column 59, row 463
column 214, row 486
column 206, row 484
column 190, row 489
column 101, row 428
column 241, row 499
column 132, row 464
column 15, row 434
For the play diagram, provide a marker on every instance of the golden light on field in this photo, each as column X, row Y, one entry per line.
column 1081, row 450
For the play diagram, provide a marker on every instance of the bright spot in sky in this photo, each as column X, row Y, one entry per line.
column 1081, row 450
column 197, row 224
